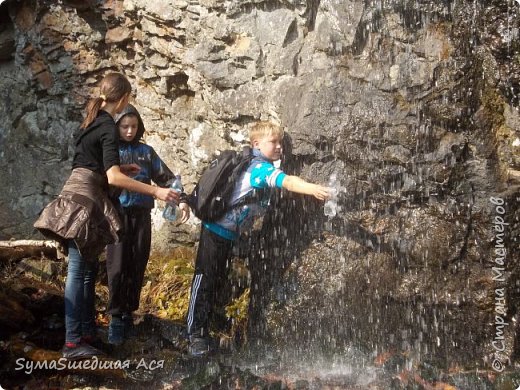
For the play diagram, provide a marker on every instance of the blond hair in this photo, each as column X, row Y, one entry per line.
column 264, row 129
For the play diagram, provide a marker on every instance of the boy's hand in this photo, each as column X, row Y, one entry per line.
column 300, row 186
column 130, row 169
column 321, row 192
column 185, row 211
column 167, row 194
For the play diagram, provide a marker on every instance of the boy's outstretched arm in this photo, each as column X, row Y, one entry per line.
column 297, row 184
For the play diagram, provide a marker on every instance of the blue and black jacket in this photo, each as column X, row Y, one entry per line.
column 152, row 167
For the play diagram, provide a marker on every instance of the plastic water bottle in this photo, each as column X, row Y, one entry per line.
column 331, row 207
column 171, row 210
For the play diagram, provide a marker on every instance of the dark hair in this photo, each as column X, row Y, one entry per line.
column 113, row 87
column 127, row 115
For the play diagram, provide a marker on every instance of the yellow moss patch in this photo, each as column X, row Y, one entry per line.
column 237, row 310
column 166, row 292
column 494, row 106
column 167, row 284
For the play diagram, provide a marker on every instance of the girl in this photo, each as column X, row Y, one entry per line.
column 83, row 217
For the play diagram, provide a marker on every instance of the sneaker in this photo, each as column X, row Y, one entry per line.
column 116, row 331
column 80, row 351
column 97, row 343
column 199, row 346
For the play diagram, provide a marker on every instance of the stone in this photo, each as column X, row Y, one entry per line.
column 25, row 17
column 118, row 35
column 7, row 43
column 39, row 269
column 397, row 154
column 168, row 11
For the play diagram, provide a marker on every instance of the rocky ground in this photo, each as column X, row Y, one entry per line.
column 32, row 333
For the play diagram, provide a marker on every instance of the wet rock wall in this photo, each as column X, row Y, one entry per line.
column 412, row 105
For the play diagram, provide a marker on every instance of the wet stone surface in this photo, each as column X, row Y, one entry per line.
column 149, row 360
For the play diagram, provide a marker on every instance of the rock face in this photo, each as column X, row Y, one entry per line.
column 411, row 106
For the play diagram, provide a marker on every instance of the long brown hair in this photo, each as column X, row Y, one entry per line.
column 113, row 87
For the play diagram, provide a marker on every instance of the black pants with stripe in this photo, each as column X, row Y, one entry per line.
column 211, row 271
column 127, row 260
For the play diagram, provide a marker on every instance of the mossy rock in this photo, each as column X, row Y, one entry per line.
column 507, row 381
column 214, row 375
column 470, row 380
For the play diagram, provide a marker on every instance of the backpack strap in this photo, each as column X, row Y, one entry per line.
column 247, row 152
column 257, row 193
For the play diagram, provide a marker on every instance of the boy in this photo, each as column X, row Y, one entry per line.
column 216, row 238
column 127, row 260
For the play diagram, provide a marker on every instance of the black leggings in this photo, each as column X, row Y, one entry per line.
column 127, row 260
column 211, row 270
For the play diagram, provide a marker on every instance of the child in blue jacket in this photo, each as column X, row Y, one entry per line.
column 217, row 238
column 127, row 260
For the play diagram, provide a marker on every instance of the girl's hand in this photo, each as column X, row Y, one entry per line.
column 130, row 169
column 185, row 210
column 166, row 194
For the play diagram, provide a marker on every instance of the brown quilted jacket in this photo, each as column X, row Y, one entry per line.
column 83, row 213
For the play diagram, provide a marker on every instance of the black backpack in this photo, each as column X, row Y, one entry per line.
column 210, row 198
